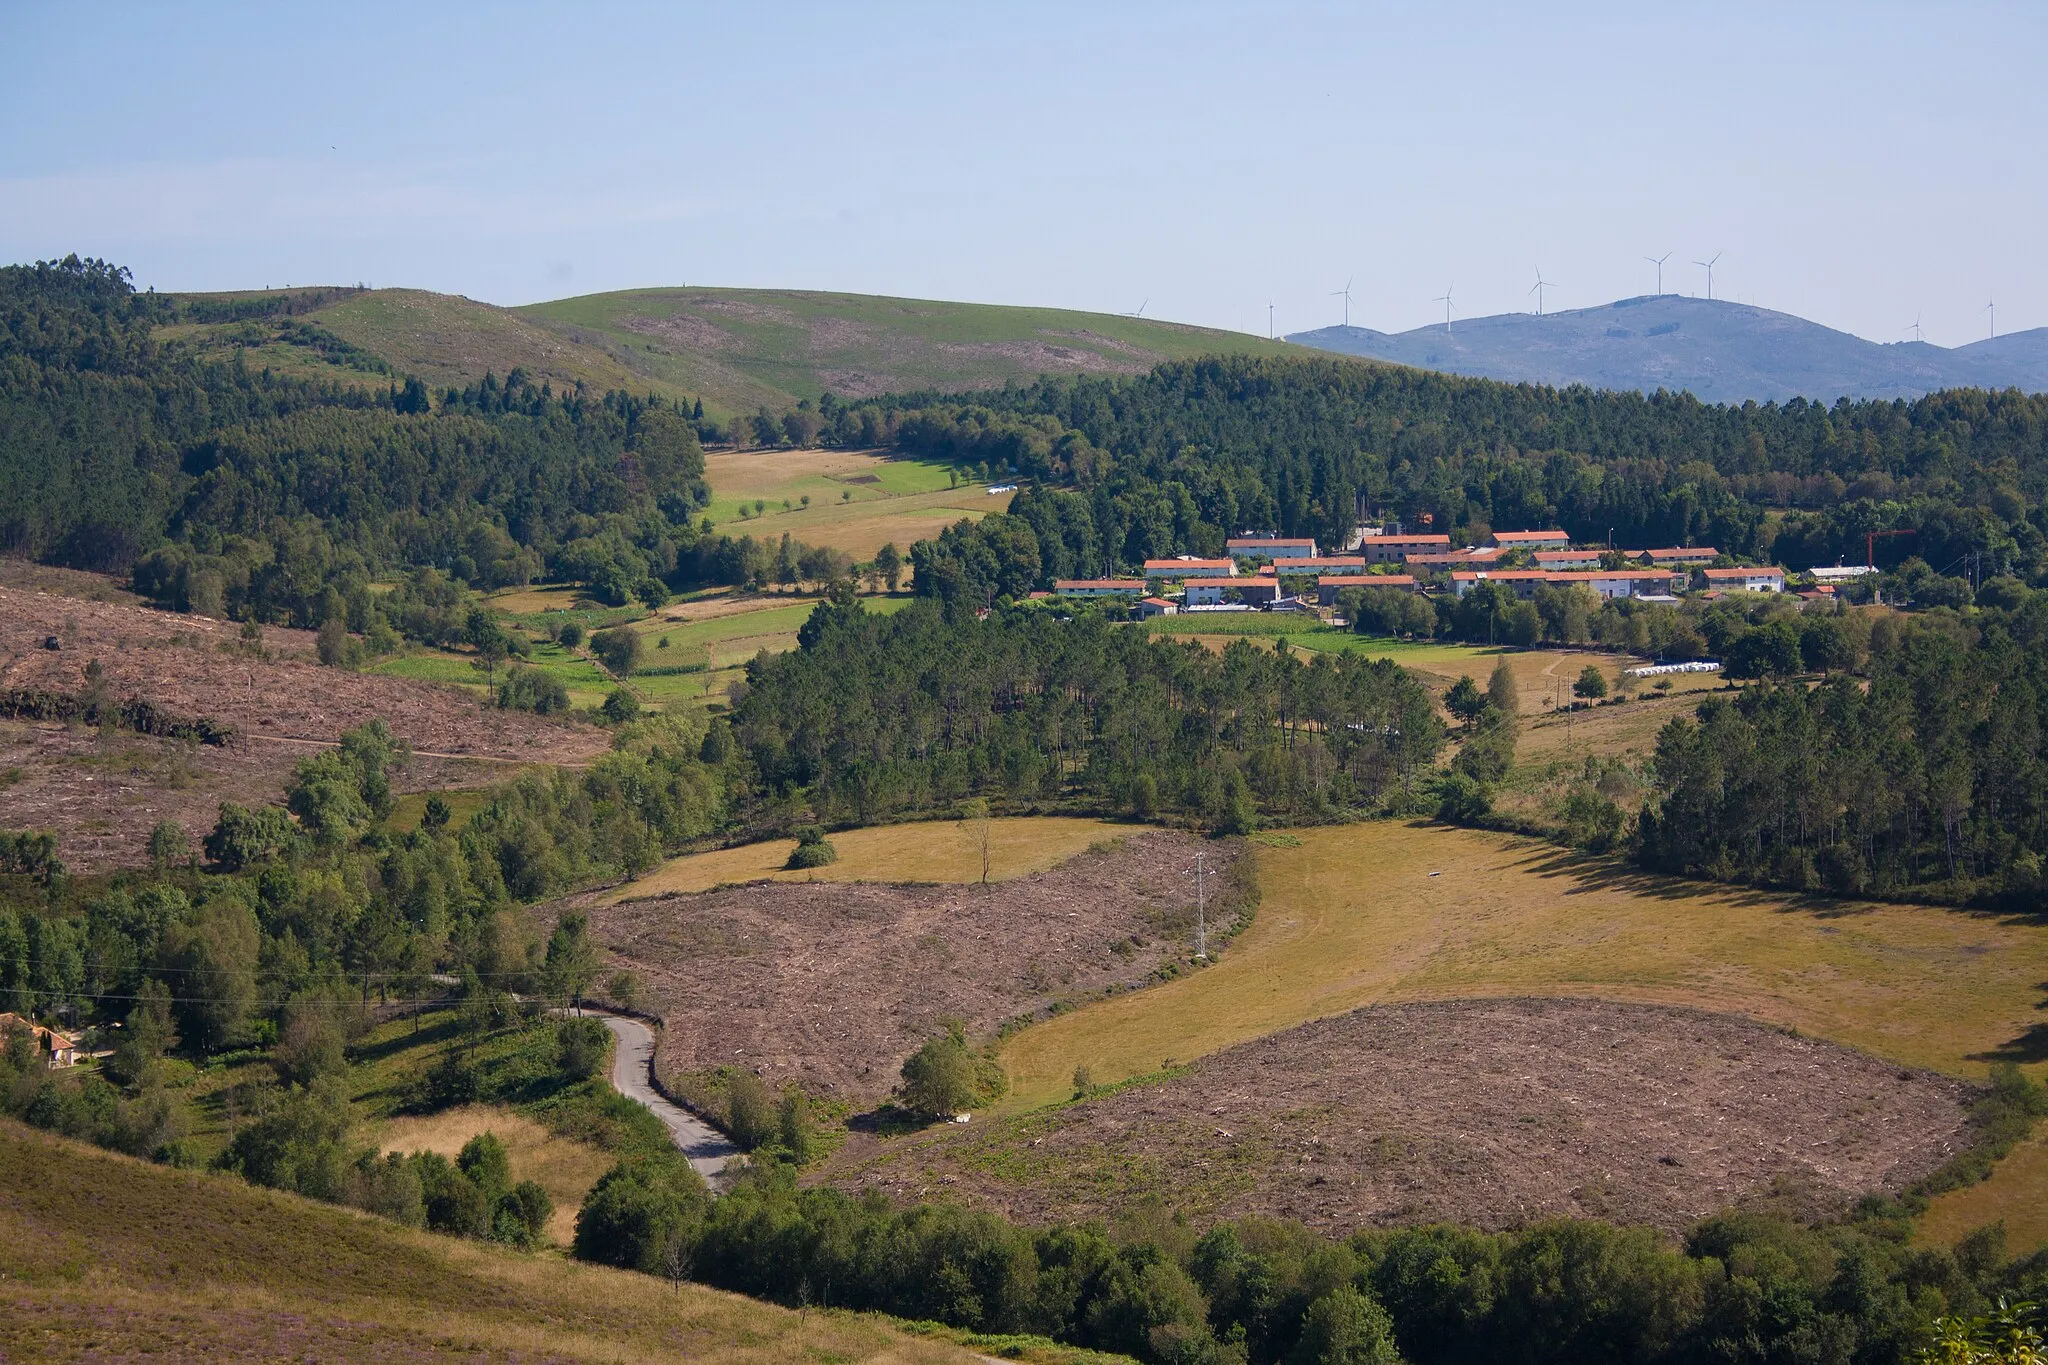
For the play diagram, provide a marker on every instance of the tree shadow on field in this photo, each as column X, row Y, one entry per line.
column 1609, row 872
column 2030, row 1046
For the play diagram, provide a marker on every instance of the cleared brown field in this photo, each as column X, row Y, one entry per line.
column 106, row 1258
column 932, row 851
column 834, row 984
column 102, row 792
column 1491, row 1113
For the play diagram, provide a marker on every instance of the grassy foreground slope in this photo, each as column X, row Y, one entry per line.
column 103, row 1256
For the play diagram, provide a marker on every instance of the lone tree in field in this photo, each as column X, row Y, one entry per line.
column 618, row 649
column 974, row 818
column 939, row 1079
column 1592, row 684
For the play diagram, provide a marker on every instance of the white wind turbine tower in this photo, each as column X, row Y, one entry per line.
column 1709, row 265
column 1915, row 328
column 1538, row 288
column 1345, row 294
column 1658, row 261
column 1445, row 299
column 1992, row 308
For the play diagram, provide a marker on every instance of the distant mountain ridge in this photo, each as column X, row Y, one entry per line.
column 1720, row 352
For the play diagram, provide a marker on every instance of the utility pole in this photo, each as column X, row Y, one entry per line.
column 1201, row 914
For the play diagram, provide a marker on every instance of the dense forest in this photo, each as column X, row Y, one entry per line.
column 1174, row 461
column 1928, row 775
column 884, row 715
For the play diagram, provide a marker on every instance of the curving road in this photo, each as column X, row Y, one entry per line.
column 633, row 1075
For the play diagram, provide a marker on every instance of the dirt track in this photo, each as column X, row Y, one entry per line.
column 101, row 794
column 1485, row 1112
column 834, row 984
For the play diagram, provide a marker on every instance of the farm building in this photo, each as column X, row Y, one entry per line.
column 56, row 1049
column 1149, row 607
column 1189, row 567
column 1842, row 573
column 1209, row 592
column 1270, row 547
column 1532, row 540
column 1563, row 561
column 1392, row 549
column 1522, row 582
column 1099, row 587
column 1613, row 583
column 1697, row 554
column 1322, row 565
column 1746, row 580
column 1329, row 585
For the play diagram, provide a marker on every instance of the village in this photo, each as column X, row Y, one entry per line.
column 1277, row 573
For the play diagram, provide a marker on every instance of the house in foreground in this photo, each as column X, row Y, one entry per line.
column 57, row 1049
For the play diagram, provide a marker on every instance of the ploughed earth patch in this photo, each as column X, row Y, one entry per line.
column 101, row 792
column 833, row 985
column 1494, row 1113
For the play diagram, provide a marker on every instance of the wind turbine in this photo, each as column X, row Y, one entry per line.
column 1345, row 294
column 1538, row 288
column 1139, row 311
column 1915, row 328
column 1992, row 308
column 1658, row 261
column 1269, row 319
column 1445, row 299
column 1710, row 272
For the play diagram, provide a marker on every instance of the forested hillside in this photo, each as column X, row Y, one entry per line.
column 1929, row 776
column 1176, row 460
column 112, row 443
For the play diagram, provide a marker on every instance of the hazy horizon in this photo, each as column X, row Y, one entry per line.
column 1859, row 166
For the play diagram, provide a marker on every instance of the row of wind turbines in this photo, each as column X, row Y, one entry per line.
column 1542, row 284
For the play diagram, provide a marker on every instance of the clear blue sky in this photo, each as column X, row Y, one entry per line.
column 1859, row 164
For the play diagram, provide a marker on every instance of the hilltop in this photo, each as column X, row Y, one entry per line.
column 737, row 349
column 1721, row 352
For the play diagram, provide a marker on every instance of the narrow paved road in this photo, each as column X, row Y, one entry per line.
column 633, row 1074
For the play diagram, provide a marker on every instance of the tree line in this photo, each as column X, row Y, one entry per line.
column 1741, row 1287
column 879, row 716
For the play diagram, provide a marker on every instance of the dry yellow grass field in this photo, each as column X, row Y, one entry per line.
column 563, row 1167
column 2016, row 1195
column 898, row 501
column 1360, row 914
column 931, row 851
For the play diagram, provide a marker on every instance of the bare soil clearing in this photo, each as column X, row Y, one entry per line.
column 101, row 794
column 1490, row 1112
column 833, row 985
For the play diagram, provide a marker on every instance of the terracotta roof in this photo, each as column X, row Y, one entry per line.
column 1366, row 580
column 1765, row 572
column 1528, row 537
column 1124, row 584
column 1505, row 576
column 1696, row 552
column 1404, row 540
column 1249, row 541
column 1188, row 565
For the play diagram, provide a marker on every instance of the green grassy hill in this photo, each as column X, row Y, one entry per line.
column 102, row 1256
column 737, row 349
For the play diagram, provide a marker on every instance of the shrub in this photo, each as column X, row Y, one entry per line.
column 535, row 690
column 750, row 1110
column 637, row 1211
column 1462, row 800
column 812, row 849
column 939, row 1079
column 571, row 636
column 620, row 707
column 580, row 1047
